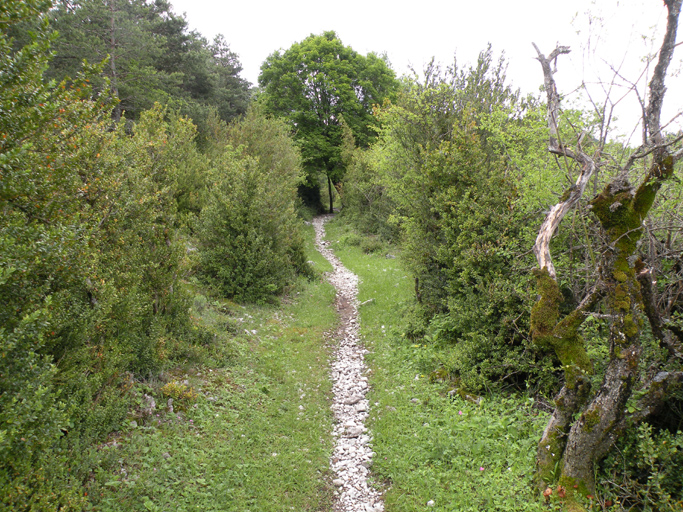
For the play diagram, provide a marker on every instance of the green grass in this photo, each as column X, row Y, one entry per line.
column 460, row 454
column 256, row 437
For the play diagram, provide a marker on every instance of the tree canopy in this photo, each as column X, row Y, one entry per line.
column 151, row 56
column 319, row 84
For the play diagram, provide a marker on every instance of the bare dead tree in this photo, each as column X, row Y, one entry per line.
column 586, row 423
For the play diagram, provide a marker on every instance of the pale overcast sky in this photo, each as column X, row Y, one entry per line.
column 411, row 33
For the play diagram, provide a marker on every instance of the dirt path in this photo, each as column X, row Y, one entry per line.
column 352, row 454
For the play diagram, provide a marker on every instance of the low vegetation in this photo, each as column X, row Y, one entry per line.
column 244, row 432
column 433, row 443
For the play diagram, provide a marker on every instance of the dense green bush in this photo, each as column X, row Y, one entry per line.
column 250, row 240
column 90, row 293
column 438, row 178
column 645, row 472
column 43, row 244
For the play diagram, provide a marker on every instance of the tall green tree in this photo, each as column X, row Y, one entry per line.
column 151, row 56
column 314, row 85
column 117, row 30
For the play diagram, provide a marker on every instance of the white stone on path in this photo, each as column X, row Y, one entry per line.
column 352, row 455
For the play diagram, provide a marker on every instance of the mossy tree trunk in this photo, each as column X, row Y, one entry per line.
column 620, row 210
column 586, row 423
column 571, row 445
column 549, row 333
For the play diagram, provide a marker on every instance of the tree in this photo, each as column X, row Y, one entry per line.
column 151, row 56
column 250, row 242
column 586, row 422
column 117, row 30
column 313, row 85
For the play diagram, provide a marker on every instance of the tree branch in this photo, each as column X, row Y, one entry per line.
column 659, row 389
column 553, row 96
column 672, row 346
column 657, row 87
column 588, row 165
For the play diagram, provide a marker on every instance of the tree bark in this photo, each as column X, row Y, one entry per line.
column 329, row 190
column 564, row 339
column 621, row 209
column 555, row 146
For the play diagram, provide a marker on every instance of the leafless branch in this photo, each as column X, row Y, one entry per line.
column 657, row 324
column 678, row 155
column 642, row 152
column 634, row 88
column 588, row 166
column 672, row 120
column 657, row 87
column 551, row 92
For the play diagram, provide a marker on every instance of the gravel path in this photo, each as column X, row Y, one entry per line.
column 352, row 454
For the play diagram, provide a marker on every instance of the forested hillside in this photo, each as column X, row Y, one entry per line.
column 159, row 287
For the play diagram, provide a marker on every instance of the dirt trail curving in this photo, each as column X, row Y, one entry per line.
column 352, row 454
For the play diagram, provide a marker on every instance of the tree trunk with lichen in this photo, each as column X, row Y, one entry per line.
column 577, row 446
column 569, row 447
column 549, row 333
column 621, row 211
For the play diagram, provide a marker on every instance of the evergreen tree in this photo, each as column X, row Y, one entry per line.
column 151, row 56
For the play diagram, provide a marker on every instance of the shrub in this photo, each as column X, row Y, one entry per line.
column 89, row 279
column 438, row 177
column 251, row 245
column 645, row 472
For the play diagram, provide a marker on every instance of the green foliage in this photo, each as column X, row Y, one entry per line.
column 251, row 437
column 44, row 235
column 364, row 195
column 313, row 86
column 463, row 453
column 89, row 282
column 13, row 11
column 251, row 245
column 645, row 472
column 436, row 176
column 151, row 57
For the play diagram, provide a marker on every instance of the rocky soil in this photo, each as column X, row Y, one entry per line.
column 352, row 454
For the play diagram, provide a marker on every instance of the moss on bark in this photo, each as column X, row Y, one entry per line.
column 562, row 336
column 620, row 208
